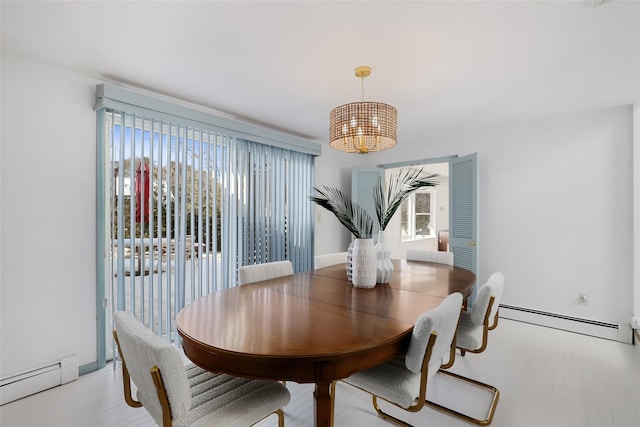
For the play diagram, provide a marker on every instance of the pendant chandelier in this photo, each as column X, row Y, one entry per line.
column 363, row 127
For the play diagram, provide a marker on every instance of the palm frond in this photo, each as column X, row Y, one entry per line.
column 401, row 185
column 350, row 214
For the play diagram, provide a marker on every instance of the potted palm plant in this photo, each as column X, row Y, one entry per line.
column 360, row 224
column 387, row 200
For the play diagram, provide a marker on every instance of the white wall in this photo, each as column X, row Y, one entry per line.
column 555, row 208
column 47, row 263
column 333, row 169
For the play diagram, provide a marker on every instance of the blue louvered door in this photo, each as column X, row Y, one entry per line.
column 463, row 219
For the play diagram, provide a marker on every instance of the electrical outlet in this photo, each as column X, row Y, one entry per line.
column 583, row 299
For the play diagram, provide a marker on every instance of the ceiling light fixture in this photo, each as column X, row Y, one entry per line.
column 363, row 127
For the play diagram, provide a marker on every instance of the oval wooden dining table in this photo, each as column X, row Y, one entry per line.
column 314, row 327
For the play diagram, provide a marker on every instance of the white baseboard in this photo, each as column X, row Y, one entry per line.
column 37, row 379
column 611, row 331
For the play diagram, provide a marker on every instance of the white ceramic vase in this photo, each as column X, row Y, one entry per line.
column 364, row 264
column 384, row 267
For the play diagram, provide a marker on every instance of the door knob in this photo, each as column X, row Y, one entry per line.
column 472, row 244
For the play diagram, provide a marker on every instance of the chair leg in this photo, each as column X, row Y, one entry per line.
column 280, row 415
column 492, row 408
column 386, row 416
column 167, row 418
column 495, row 322
column 126, row 378
column 452, row 358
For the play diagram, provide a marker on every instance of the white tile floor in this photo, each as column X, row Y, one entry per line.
column 546, row 377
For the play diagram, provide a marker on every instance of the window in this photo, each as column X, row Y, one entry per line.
column 418, row 216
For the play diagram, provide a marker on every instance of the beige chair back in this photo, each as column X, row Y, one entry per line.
column 430, row 256
column 268, row 270
column 327, row 260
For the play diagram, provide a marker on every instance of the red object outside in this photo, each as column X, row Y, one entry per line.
column 143, row 190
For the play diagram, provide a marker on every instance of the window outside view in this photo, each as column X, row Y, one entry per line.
column 417, row 216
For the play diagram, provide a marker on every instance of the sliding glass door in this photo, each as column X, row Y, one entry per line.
column 182, row 206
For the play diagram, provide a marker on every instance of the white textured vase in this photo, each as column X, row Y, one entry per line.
column 384, row 267
column 364, row 264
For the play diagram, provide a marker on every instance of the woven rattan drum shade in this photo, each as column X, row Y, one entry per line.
column 362, row 127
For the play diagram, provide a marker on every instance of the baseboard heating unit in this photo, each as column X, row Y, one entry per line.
column 39, row 378
column 611, row 331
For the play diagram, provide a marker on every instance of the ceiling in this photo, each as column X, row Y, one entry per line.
column 287, row 64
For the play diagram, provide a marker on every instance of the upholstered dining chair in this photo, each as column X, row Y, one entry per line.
column 403, row 381
column 179, row 395
column 430, row 256
column 327, row 260
column 473, row 332
column 472, row 336
column 268, row 270
column 439, row 257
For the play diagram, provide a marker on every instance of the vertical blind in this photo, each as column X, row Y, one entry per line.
column 275, row 221
column 185, row 205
